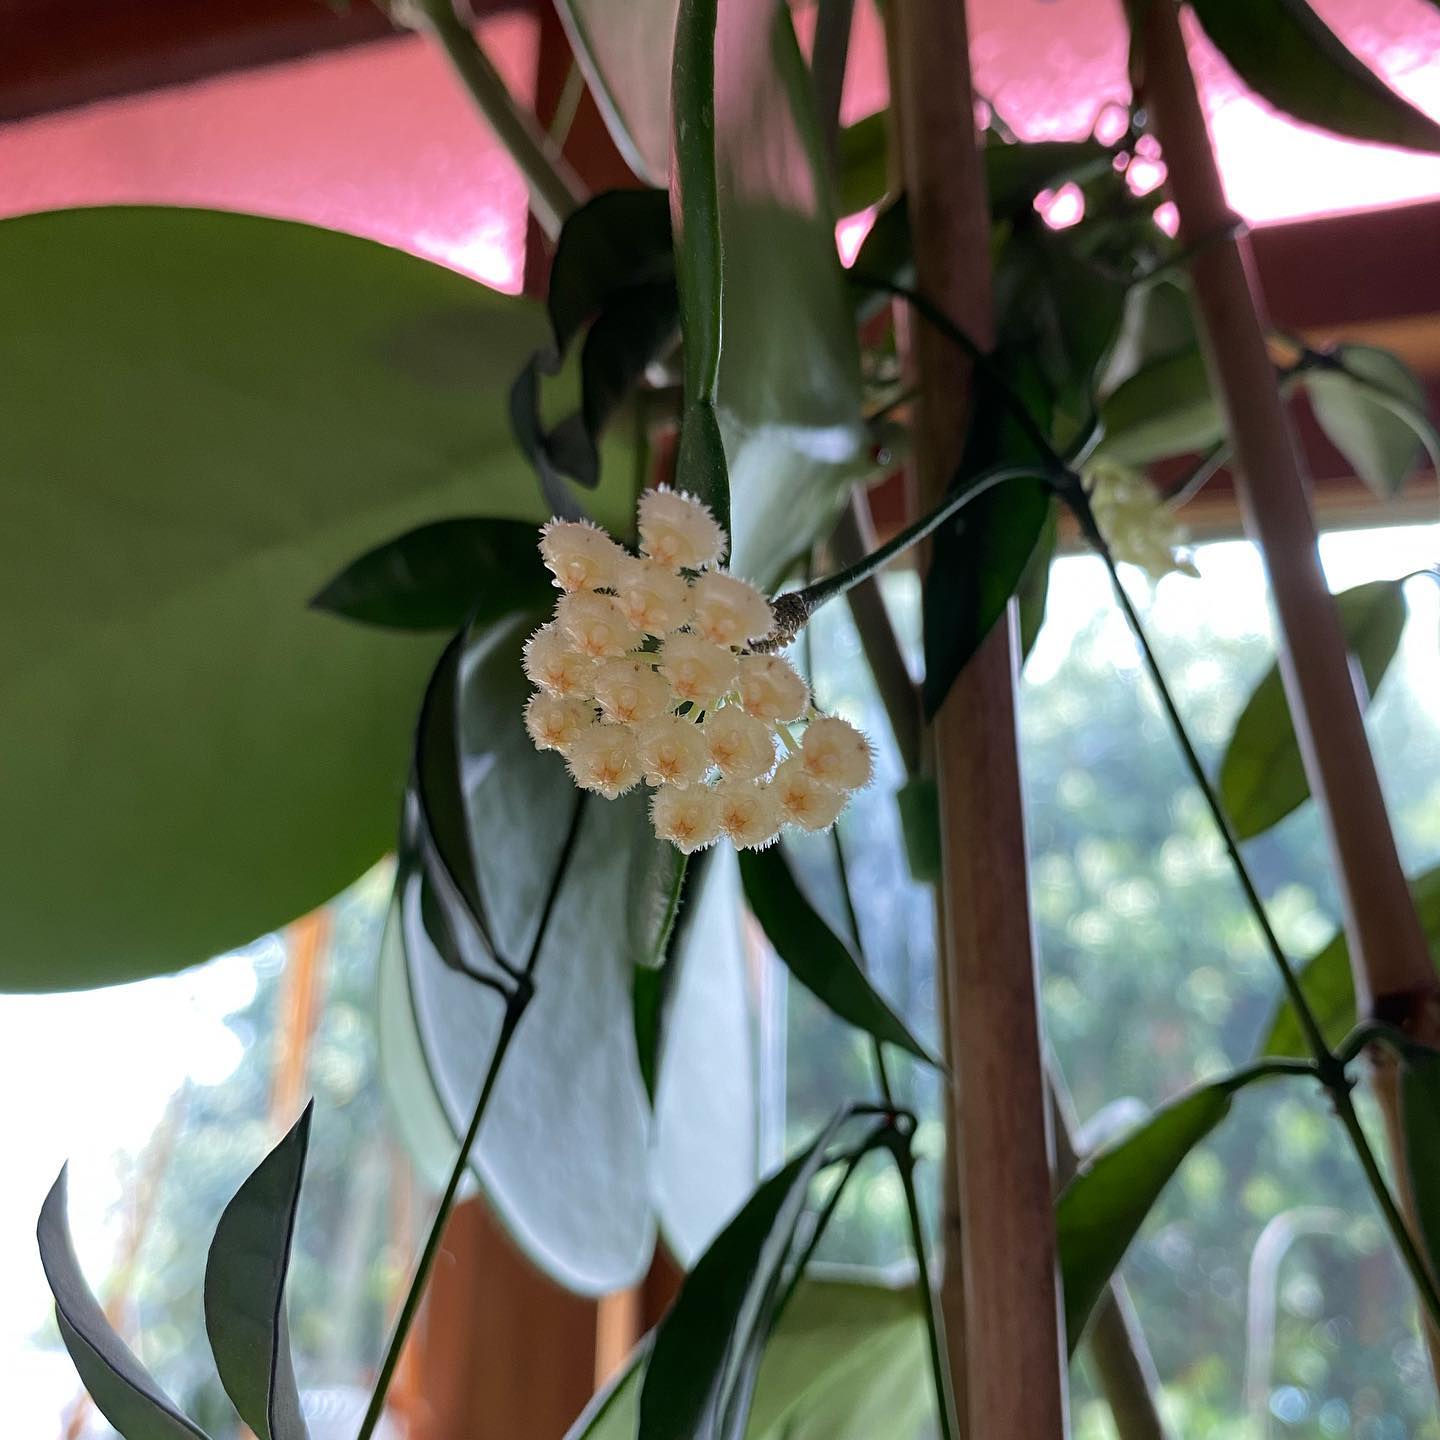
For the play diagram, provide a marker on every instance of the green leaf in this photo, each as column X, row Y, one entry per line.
column 1420, row 1123
column 847, row 1360
column 123, row 1390
column 862, row 163
column 814, row 954
column 206, row 416
column 614, row 273
column 580, row 1205
column 1262, row 778
column 700, row 1377
column 1165, row 408
column 441, row 575
column 245, row 1291
column 1372, row 406
column 1159, row 322
column 624, row 48
column 1033, row 590
column 1102, row 1209
column 1329, row 985
column 1285, row 53
column 919, row 803
column 706, row 1149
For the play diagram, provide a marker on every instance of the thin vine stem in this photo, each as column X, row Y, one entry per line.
column 516, row 1004
column 1328, row 1067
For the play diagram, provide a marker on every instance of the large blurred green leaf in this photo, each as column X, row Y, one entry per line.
column 1420, row 1122
column 1262, row 778
column 205, row 416
column 1103, row 1207
column 814, row 954
column 245, row 1278
column 846, row 1361
column 1329, row 985
column 1284, row 52
column 1372, row 407
column 1164, row 408
column 123, row 1390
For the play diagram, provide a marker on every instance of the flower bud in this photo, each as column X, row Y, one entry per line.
column 770, row 689
column 836, row 753
column 677, row 531
column 689, row 819
column 730, row 611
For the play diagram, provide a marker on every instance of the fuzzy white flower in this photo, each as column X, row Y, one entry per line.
column 678, row 531
column 595, row 625
column 697, row 670
column 804, row 800
column 742, row 746
column 579, row 555
column 554, row 722
column 1137, row 524
column 730, row 611
column 836, row 753
column 654, row 599
column 672, row 751
column 555, row 666
column 770, row 689
column 749, row 814
column 604, row 758
column 629, row 691
column 689, row 819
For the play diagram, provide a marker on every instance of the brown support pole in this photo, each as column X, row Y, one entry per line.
column 1013, row 1353
column 1395, row 979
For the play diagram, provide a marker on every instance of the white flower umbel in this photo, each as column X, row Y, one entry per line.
column 644, row 674
column 1137, row 524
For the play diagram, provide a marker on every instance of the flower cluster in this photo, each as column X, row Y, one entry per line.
column 1136, row 523
column 644, row 674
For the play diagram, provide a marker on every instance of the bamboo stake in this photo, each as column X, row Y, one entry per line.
column 1014, row 1354
column 1395, row 979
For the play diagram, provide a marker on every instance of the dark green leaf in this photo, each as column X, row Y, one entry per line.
column 863, row 163
column 919, row 803
column 1330, row 987
column 245, row 1291
column 1033, row 590
column 613, row 272
column 814, row 954
column 206, row 416
column 846, row 1361
column 1284, row 52
column 580, row 1206
column 1102, row 1208
column 1159, row 322
column 1164, row 408
column 700, row 1378
column 1420, row 1121
column 123, row 1390
column 1371, row 405
column 437, row 577
column 1262, row 778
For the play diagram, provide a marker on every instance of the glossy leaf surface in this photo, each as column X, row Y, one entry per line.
column 814, row 954
column 846, row 1361
column 441, row 575
column 123, row 1390
column 700, row 1377
column 245, row 1291
column 206, row 416
column 1285, row 53
column 1262, row 778
column 1372, row 407
column 1329, row 985
column 1420, row 1121
column 1103, row 1207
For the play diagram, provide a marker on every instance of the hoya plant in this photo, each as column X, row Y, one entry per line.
column 532, row 585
